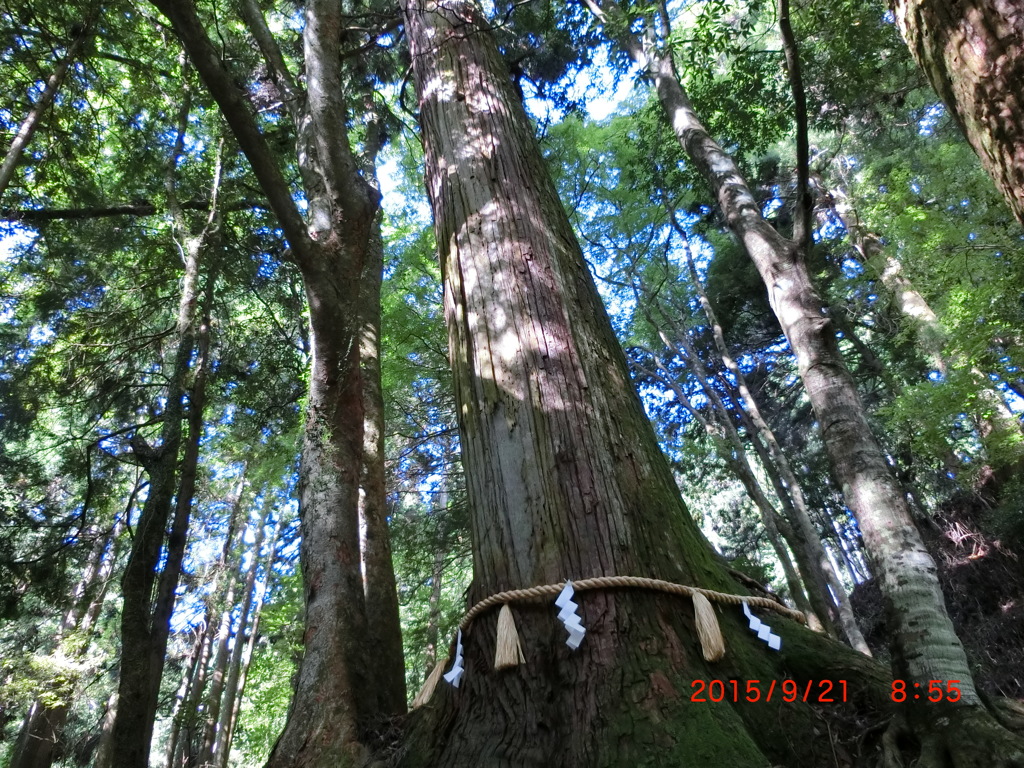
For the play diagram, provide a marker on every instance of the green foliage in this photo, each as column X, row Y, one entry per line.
column 88, row 306
column 269, row 684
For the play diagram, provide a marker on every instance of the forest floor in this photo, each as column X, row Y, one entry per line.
column 983, row 581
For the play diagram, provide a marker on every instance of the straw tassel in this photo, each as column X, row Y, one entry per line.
column 508, row 652
column 711, row 641
column 427, row 691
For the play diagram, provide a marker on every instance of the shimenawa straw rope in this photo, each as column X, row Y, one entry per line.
column 509, row 652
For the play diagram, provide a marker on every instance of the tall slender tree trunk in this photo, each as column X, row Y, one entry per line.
column 932, row 336
column 924, row 645
column 219, row 670
column 564, row 474
column 383, row 625
column 335, row 690
column 440, row 505
column 184, row 720
column 729, row 447
column 973, row 53
column 245, row 636
column 812, row 602
column 180, row 713
column 105, row 748
column 163, row 524
column 820, row 576
column 31, row 122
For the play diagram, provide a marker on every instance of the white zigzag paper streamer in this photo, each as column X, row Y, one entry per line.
column 764, row 632
column 454, row 676
column 569, row 617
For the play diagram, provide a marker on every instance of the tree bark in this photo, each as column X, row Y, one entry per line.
column 248, row 624
column 148, row 596
column 184, row 721
column 335, row 693
column 924, row 644
column 31, row 122
column 219, row 670
column 821, row 577
column 564, row 474
column 729, row 445
column 384, row 630
column 104, row 750
column 973, row 53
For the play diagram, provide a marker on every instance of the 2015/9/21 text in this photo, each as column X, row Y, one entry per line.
column 812, row 691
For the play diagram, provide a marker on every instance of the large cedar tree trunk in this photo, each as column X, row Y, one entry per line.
column 565, row 477
column 973, row 54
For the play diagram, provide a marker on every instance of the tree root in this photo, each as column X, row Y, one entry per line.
column 892, row 755
column 960, row 738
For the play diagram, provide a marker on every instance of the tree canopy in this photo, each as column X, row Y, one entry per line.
column 322, row 322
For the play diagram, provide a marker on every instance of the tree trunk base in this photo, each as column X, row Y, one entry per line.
column 628, row 697
column 969, row 738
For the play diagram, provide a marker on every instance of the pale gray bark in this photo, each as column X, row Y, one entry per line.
column 925, row 646
column 31, row 122
column 248, row 626
column 823, row 577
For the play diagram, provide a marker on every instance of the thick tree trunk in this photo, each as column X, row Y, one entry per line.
column 924, row 644
column 565, row 477
column 973, row 53
column 334, row 692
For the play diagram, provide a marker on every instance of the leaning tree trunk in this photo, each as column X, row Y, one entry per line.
column 973, row 53
column 31, row 122
column 565, row 476
column 807, row 545
column 924, row 645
